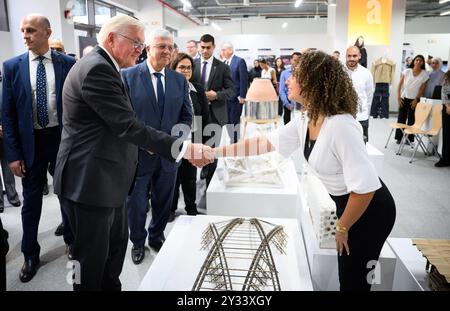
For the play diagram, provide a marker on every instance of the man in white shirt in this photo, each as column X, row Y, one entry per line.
column 363, row 84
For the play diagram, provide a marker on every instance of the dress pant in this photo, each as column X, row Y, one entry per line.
column 8, row 178
column 4, row 247
column 186, row 177
column 100, row 244
column 212, row 141
column 445, row 136
column 365, row 127
column 380, row 102
column 405, row 115
column 365, row 239
column 234, row 119
column 46, row 142
column 157, row 183
column 287, row 115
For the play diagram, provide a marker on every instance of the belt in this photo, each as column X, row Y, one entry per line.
column 47, row 130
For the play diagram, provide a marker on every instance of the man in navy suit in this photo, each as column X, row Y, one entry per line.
column 32, row 89
column 240, row 79
column 160, row 98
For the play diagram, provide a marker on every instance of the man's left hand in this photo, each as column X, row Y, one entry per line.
column 211, row 95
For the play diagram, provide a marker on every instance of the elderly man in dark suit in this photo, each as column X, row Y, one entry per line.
column 31, row 111
column 98, row 154
column 160, row 98
column 215, row 77
column 240, row 78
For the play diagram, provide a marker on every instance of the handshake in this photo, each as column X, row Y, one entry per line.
column 199, row 155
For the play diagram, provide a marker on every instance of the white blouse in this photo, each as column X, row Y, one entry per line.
column 411, row 84
column 339, row 157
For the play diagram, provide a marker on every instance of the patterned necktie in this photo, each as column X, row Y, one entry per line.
column 203, row 79
column 226, row 62
column 41, row 94
column 160, row 93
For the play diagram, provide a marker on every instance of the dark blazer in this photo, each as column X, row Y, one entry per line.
column 240, row 75
column 200, row 104
column 221, row 82
column 177, row 107
column 97, row 156
column 17, row 109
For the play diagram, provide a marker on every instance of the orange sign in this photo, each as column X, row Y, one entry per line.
column 370, row 19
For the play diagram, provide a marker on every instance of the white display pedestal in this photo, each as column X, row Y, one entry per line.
column 410, row 273
column 323, row 262
column 180, row 259
column 253, row 201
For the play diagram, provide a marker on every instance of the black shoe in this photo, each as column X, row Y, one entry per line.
column 45, row 191
column 156, row 245
column 69, row 252
column 398, row 141
column 15, row 203
column 137, row 254
column 192, row 212
column 28, row 270
column 60, row 230
column 441, row 163
column 2, row 209
column 171, row 216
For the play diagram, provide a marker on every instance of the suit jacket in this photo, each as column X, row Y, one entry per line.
column 201, row 109
column 97, row 157
column 220, row 81
column 17, row 109
column 177, row 106
column 240, row 76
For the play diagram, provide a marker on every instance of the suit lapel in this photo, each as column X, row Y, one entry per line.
column 148, row 87
column 25, row 76
column 57, row 66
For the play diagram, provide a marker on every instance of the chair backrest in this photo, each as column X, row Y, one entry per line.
column 421, row 114
column 436, row 120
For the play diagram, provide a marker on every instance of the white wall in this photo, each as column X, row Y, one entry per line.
column 428, row 25
column 129, row 5
column 151, row 14
column 6, row 51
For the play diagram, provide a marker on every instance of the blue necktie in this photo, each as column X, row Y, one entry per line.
column 160, row 93
column 41, row 94
column 203, row 79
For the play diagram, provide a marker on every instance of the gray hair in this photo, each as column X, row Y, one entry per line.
column 228, row 45
column 438, row 60
column 118, row 24
column 157, row 33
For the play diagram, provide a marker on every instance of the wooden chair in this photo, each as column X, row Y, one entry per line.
column 419, row 134
column 421, row 114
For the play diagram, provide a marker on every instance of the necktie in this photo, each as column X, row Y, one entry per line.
column 41, row 94
column 226, row 62
column 160, row 93
column 203, row 79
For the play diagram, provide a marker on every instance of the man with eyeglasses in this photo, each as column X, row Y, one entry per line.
column 98, row 154
column 160, row 98
column 215, row 77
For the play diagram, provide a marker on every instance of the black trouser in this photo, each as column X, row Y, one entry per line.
column 445, row 136
column 365, row 239
column 280, row 107
column 101, row 238
column 208, row 170
column 405, row 112
column 380, row 102
column 4, row 247
column 365, row 127
column 187, row 176
column 287, row 115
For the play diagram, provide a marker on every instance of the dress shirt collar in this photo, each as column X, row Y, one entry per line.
column 192, row 87
column 209, row 61
column 152, row 70
column 112, row 58
column 34, row 56
column 230, row 59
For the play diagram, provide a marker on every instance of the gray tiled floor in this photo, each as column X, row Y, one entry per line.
column 420, row 191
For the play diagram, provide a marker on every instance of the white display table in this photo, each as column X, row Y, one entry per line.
column 251, row 201
column 410, row 273
column 180, row 259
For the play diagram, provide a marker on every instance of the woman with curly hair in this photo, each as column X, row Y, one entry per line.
column 332, row 143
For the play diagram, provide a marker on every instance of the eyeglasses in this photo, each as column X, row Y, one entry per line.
column 164, row 47
column 184, row 68
column 136, row 44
